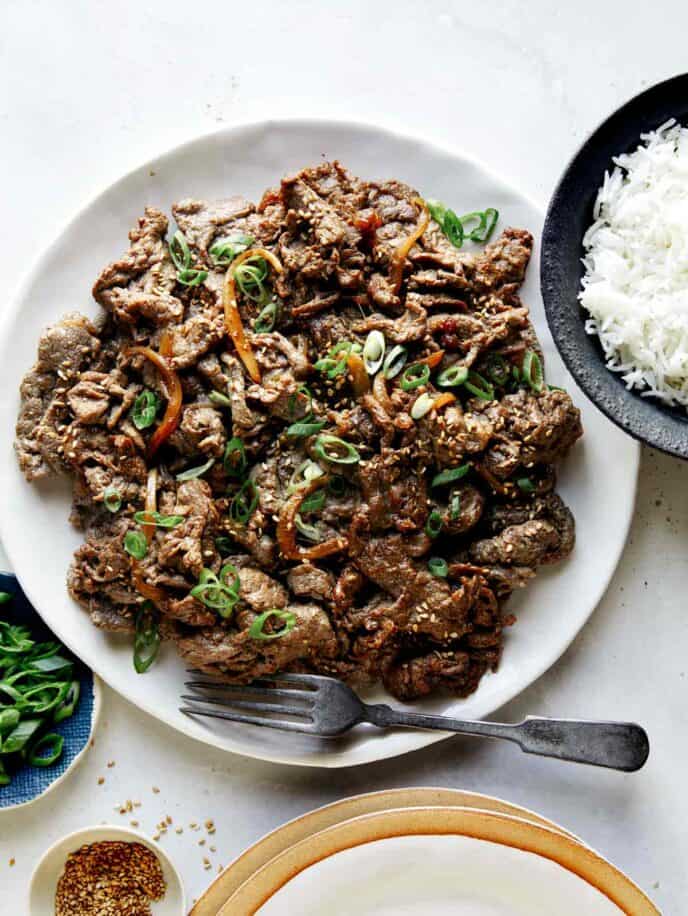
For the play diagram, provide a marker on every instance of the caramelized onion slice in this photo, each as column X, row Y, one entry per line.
column 402, row 250
column 152, row 592
column 235, row 328
column 286, row 529
column 170, row 420
column 443, row 400
column 360, row 380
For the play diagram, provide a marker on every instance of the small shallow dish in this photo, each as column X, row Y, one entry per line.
column 568, row 217
column 31, row 783
column 47, row 873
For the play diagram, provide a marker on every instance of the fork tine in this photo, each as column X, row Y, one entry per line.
column 276, row 708
column 252, row 690
column 281, row 724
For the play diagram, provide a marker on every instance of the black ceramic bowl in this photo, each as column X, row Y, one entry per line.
column 568, row 217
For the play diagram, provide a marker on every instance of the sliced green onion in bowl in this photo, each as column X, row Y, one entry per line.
column 414, row 376
column 46, row 750
column 532, row 371
column 112, row 500
column 438, row 567
column 422, row 405
column 216, row 592
column 479, row 386
column 313, row 502
column 448, row 221
column 394, row 361
column 335, row 450
column 193, row 473
column 453, row 376
column 223, row 252
column 256, row 630
column 374, row 351
column 486, row 221
column 498, row 369
column 455, row 506
column 192, row 276
column 434, row 524
column 135, row 544
column 450, row 476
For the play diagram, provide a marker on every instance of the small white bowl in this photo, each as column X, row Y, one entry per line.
column 47, row 873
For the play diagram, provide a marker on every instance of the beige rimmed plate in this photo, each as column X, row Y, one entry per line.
column 307, row 825
column 458, row 861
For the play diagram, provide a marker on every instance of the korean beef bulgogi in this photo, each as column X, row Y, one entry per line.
column 307, row 435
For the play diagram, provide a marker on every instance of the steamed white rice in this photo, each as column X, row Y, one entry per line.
column 635, row 286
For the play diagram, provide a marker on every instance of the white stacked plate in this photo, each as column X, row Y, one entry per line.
column 410, row 852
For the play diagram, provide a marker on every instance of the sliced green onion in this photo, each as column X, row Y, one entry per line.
column 308, row 531
column 224, row 544
column 305, row 392
column 51, row 743
column 313, row 502
column 532, row 371
column 244, row 502
column 179, row 251
column 147, row 638
column 422, row 405
column 112, row 499
column 145, row 408
column 135, row 544
column 68, row 704
column 216, row 592
column 5, row 597
column 304, row 428
column 433, row 525
column 438, row 567
column 526, row 485
column 448, row 222
column 394, row 361
column 479, row 386
column 374, row 351
column 486, row 221
column 256, row 630
column 335, row 450
column 453, row 376
column 498, row 369
column 226, row 249
column 192, row 276
column 306, row 472
column 49, row 664
column 48, row 696
column 9, row 719
column 455, row 507
column 220, row 399
column 155, row 518
column 193, row 473
column 414, row 376
column 450, row 476
column 20, row 735
column 266, row 319
column 250, row 276
column 555, row 388
column 234, row 459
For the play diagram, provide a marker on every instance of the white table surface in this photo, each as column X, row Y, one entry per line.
column 90, row 89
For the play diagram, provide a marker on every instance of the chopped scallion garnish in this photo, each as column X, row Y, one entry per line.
column 532, row 371
column 438, row 567
column 450, row 476
column 135, row 544
column 244, row 502
column 434, row 524
column 394, row 361
column 199, row 471
column 335, row 450
column 156, row 518
column 147, row 638
column 453, row 376
column 112, row 499
column 374, row 351
column 257, row 631
column 234, row 460
column 414, row 376
column 220, row 593
column 145, row 408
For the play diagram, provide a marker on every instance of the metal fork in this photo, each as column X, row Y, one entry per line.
column 326, row 707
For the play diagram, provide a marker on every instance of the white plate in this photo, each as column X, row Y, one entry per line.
column 460, row 876
column 598, row 479
column 459, row 861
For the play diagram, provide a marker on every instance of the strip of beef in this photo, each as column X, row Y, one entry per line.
column 141, row 283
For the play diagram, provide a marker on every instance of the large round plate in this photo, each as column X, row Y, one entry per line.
column 598, row 479
column 474, row 863
column 308, row 825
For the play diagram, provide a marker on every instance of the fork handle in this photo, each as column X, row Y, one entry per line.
column 617, row 745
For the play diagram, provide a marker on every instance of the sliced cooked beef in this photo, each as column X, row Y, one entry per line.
column 140, row 284
column 255, row 500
